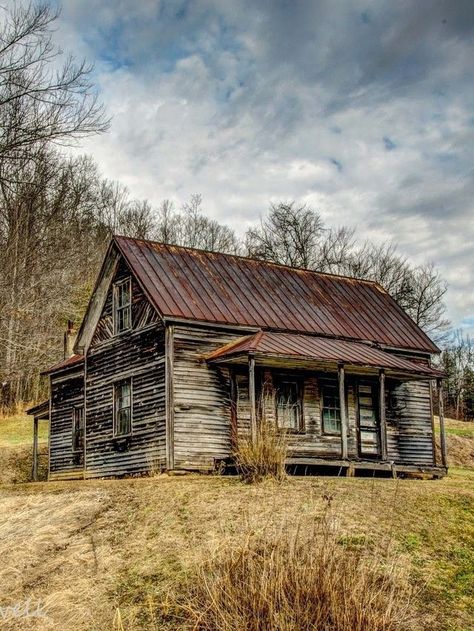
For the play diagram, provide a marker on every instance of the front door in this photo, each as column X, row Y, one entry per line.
column 368, row 425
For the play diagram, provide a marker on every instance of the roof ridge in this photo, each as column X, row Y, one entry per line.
column 251, row 258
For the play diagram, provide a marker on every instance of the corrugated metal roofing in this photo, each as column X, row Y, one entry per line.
column 65, row 363
column 319, row 349
column 221, row 288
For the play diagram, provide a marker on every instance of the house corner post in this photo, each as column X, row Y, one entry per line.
column 34, row 473
column 342, row 403
column 252, row 398
column 442, row 431
column 382, row 415
column 169, row 392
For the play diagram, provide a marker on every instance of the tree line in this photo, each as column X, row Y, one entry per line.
column 57, row 214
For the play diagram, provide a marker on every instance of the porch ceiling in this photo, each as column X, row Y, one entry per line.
column 307, row 351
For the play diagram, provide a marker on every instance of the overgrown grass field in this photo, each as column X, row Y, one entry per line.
column 135, row 554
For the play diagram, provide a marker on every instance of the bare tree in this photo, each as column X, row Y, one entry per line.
column 289, row 234
column 190, row 227
column 294, row 234
column 40, row 100
column 457, row 359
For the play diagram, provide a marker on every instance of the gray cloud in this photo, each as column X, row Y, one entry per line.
column 363, row 109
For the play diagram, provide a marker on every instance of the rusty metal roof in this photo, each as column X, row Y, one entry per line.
column 220, row 288
column 288, row 345
column 65, row 363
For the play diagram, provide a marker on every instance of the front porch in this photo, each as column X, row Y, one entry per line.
column 345, row 406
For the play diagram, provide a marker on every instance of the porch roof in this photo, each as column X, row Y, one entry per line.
column 317, row 349
column 40, row 411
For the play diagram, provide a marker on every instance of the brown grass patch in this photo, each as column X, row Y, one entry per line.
column 263, row 457
column 296, row 580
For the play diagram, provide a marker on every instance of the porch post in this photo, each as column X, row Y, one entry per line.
column 34, row 473
column 342, row 403
column 253, row 407
column 383, row 420
column 442, row 433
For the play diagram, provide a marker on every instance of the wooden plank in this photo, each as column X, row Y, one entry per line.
column 342, row 403
column 383, row 420
column 169, row 384
column 442, row 430
column 433, row 433
column 253, row 404
column 35, row 450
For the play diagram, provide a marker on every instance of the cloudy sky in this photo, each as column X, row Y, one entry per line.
column 362, row 108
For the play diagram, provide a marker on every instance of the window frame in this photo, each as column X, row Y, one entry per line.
column 117, row 309
column 279, row 378
column 322, row 384
column 75, row 433
column 116, row 410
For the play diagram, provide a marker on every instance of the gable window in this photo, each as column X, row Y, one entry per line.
column 288, row 408
column 122, row 302
column 331, row 407
column 123, row 408
column 78, row 429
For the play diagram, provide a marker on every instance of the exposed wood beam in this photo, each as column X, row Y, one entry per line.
column 342, row 403
column 169, row 386
column 253, row 405
column 382, row 414
column 34, row 473
column 442, row 431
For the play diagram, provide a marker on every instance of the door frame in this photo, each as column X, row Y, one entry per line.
column 375, row 402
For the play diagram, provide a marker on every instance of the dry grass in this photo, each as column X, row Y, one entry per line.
column 263, row 457
column 295, row 580
column 131, row 550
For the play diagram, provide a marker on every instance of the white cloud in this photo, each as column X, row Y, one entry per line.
column 364, row 112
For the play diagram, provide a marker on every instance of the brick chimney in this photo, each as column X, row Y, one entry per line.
column 69, row 339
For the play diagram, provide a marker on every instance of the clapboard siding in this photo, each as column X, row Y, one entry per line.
column 138, row 355
column 67, row 392
column 202, row 418
column 202, row 411
column 409, row 411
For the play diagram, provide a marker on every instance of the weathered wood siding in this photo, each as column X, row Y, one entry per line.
column 138, row 354
column 409, row 413
column 67, row 392
column 143, row 313
column 202, row 418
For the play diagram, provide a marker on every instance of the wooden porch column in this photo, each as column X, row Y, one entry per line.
column 442, row 432
column 253, row 405
column 342, row 403
column 34, row 473
column 383, row 420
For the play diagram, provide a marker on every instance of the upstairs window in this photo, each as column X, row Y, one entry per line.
column 331, row 408
column 122, row 299
column 123, row 408
column 78, row 429
column 288, row 406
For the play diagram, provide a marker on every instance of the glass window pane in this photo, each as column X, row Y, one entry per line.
column 124, row 294
column 287, row 405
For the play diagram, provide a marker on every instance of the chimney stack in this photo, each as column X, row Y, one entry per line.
column 69, row 339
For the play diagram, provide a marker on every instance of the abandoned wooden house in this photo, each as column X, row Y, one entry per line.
column 182, row 350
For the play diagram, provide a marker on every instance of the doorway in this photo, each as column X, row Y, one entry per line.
column 368, row 422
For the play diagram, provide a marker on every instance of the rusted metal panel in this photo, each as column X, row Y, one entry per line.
column 290, row 345
column 64, row 364
column 221, row 288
